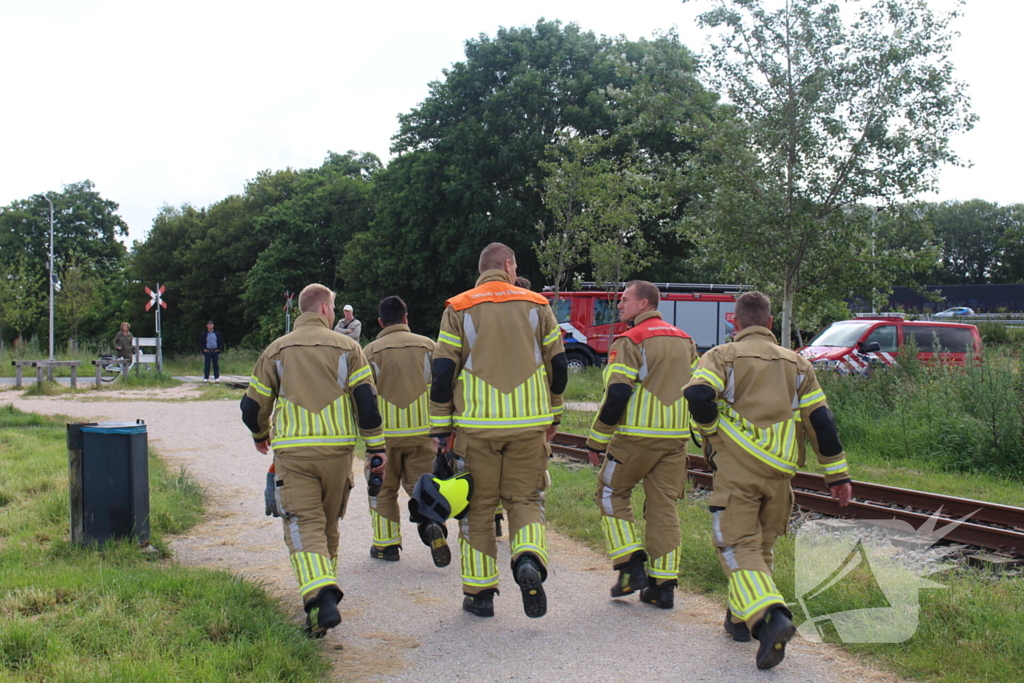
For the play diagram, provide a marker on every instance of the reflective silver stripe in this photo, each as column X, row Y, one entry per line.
column 279, row 366
column 606, row 491
column 796, row 394
column 426, row 370
column 343, row 370
column 469, row 331
column 644, row 371
column 730, row 387
column 534, row 324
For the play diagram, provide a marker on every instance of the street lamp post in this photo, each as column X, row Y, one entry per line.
column 50, row 271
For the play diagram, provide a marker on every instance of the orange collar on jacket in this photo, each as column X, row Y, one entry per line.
column 652, row 326
column 494, row 287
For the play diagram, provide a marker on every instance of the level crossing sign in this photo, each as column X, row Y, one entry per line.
column 156, row 298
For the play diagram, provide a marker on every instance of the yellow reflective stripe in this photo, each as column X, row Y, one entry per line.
column 707, row 429
column 835, row 467
column 332, row 425
column 750, row 591
column 557, row 410
column 552, row 336
column 664, row 567
column 374, row 441
column 623, row 369
column 478, row 569
column 449, row 338
column 440, row 420
column 531, row 538
column 711, row 378
column 654, row 433
column 385, row 532
column 261, row 388
column 298, row 441
column 646, row 415
column 620, row 537
column 312, row 571
column 359, row 375
column 528, row 405
column 694, row 363
column 775, row 446
column 599, row 437
column 812, row 398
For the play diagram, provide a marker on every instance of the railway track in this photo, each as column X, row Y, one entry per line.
column 990, row 525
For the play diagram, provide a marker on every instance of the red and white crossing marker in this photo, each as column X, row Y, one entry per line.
column 155, row 298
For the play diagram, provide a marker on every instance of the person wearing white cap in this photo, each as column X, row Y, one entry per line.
column 349, row 326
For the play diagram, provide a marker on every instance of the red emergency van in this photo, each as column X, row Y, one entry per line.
column 850, row 346
column 585, row 315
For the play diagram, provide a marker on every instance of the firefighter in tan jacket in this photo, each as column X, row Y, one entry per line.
column 310, row 395
column 755, row 403
column 499, row 371
column 400, row 361
column 641, row 435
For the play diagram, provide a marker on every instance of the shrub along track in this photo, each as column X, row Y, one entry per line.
column 992, row 526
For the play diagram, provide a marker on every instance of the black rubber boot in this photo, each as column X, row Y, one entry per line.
column 481, row 604
column 530, row 578
column 322, row 614
column 632, row 575
column 659, row 595
column 739, row 632
column 389, row 553
column 774, row 631
column 435, row 536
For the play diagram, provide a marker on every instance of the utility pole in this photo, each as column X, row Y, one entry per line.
column 50, row 270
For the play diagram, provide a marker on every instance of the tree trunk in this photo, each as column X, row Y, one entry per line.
column 787, row 316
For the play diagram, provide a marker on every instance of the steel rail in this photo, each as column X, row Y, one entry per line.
column 990, row 525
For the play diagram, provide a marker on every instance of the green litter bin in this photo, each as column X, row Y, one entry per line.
column 109, row 481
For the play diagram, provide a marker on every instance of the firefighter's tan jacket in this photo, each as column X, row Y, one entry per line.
column 655, row 359
column 502, row 339
column 400, row 361
column 765, row 395
column 303, row 383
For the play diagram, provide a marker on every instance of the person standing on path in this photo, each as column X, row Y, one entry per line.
column 311, row 393
column 349, row 326
column 640, row 434
column 755, row 402
column 123, row 341
column 400, row 361
column 499, row 372
column 211, row 343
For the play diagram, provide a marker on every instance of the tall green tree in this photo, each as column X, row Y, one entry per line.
column 467, row 154
column 78, row 293
column 823, row 115
column 972, row 240
column 84, row 223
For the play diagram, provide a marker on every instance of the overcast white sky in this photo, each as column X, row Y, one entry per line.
column 183, row 102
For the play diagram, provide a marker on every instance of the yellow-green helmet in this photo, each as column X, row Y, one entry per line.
column 438, row 500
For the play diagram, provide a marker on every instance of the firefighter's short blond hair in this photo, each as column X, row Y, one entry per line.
column 494, row 255
column 645, row 290
column 753, row 308
column 313, row 295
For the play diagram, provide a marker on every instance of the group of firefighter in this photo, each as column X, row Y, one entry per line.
column 463, row 426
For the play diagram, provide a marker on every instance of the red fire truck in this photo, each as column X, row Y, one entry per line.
column 702, row 311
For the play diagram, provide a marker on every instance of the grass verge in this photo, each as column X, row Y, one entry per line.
column 70, row 613
column 973, row 630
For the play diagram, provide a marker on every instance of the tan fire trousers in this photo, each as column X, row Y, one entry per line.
column 661, row 464
column 407, row 459
column 750, row 509
column 312, row 496
column 513, row 473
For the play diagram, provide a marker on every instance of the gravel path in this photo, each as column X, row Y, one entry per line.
column 403, row 621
